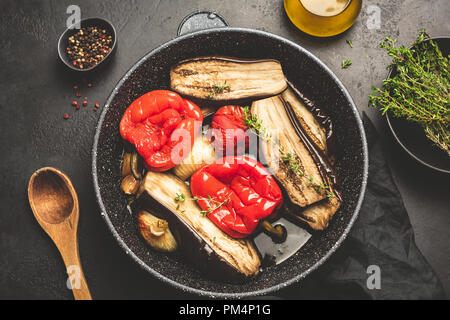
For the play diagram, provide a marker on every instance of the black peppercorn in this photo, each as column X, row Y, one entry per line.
column 88, row 47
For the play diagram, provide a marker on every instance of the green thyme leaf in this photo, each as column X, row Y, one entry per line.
column 218, row 89
column 180, row 197
column 217, row 205
column 346, row 63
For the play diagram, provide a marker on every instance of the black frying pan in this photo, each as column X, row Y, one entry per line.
column 303, row 69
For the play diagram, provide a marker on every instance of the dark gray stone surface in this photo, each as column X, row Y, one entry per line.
column 36, row 91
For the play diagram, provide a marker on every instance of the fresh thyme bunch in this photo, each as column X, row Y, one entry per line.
column 419, row 91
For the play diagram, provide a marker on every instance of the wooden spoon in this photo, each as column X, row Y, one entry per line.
column 54, row 202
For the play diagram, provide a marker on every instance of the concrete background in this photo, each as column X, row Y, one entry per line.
column 36, row 91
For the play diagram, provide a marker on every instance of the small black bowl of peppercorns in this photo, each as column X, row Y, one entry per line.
column 89, row 46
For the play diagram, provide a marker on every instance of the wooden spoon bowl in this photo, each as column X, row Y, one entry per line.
column 54, row 203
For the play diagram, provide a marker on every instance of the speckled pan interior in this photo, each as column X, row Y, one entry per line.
column 309, row 75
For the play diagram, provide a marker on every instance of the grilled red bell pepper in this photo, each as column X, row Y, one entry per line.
column 230, row 131
column 236, row 193
column 163, row 126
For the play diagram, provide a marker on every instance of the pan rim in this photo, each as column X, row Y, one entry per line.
column 237, row 295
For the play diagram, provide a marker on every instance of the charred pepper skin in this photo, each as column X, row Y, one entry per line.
column 236, row 193
column 161, row 124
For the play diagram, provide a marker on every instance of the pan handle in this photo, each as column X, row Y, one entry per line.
column 201, row 20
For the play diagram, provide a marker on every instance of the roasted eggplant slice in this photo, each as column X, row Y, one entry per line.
column 204, row 244
column 307, row 120
column 290, row 160
column 303, row 148
column 320, row 115
column 319, row 215
column 227, row 79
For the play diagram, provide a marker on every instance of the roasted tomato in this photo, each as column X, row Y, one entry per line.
column 163, row 126
column 236, row 193
column 229, row 136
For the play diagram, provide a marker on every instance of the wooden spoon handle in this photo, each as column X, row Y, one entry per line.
column 70, row 254
column 82, row 292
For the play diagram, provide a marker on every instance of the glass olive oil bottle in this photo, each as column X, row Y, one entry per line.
column 323, row 18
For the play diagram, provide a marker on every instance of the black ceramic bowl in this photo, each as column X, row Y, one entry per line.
column 411, row 136
column 89, row 22
column 307, row 73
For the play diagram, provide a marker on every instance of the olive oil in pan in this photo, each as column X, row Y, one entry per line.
column 273, row 253
column 323, row 18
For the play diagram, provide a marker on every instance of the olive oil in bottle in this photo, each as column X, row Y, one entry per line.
column 323, row 18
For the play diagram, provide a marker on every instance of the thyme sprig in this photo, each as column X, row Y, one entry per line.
column 346, row 63
column 293, row 162
column 218, row 89
column 217, row 205
column 180, row 197
column 256, row 126
column 419, row 90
